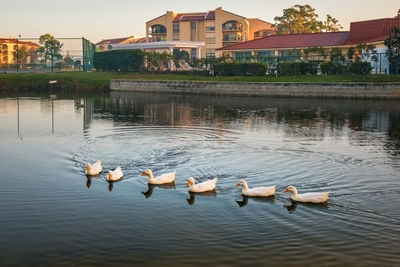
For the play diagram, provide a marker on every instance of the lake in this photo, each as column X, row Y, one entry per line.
column 52, row 214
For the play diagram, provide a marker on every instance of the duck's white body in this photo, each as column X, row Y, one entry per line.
column 94, row 169
column 256, row 191
column 115, row 174
column 201, row 187
column 307, row 197
column 163, row 179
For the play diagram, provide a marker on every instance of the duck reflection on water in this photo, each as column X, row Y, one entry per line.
column 151, row 187
column 192, row 196
column 293, row 205
column 89, row 179
column 245, row 200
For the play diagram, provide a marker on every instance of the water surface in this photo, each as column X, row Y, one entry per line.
column 52, row 214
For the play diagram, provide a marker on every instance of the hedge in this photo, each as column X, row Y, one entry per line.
column 298, row 68
column 240, row 69
column 360, row 67
column 119, row 60
column 332, row 68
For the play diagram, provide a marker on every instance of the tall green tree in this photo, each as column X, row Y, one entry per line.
column 50, row 49
column 304, row 19
column 393, row 49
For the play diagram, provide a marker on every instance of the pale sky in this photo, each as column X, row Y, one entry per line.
column 103, row 19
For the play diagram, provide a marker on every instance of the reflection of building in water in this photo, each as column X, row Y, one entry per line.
column 88, row 106
column 378, row 121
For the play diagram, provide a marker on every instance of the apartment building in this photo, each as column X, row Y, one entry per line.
column 216, row 28
column 8, row 47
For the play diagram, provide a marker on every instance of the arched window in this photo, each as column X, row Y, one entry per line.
column 15, row 47
column 5, row 58
column 232, row 25
column 101, row 47
column 5, row 47
column 157, row 29
column 109, row 47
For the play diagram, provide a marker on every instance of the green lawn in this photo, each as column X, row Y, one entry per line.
column 99, row 81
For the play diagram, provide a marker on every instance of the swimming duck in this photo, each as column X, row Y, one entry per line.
column 256, row 191
column 94, row 169
column 163, row 179
column 307, row 197
column 115, row 175
column 201, row 187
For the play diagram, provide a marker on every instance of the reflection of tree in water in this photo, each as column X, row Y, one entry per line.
column 310, row 119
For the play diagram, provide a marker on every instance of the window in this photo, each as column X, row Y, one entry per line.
column 5, row 58
column 232, row 37
column 109, row 47
column 193, row 53
column 232, row 26
column 158, row 29
column 5, row 47
column 243, row 56
column 101, row 47
column 176, row 31
column 15, row 47
column 193, row 25
column 266, row 56
column 210, row 53
column 210, row 29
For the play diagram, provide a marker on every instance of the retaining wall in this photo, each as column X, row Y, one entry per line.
column 335, row 90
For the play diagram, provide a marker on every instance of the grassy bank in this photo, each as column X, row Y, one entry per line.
column 99, row 81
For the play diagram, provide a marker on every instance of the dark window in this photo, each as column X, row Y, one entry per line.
column 193, row 25
column 109, row 47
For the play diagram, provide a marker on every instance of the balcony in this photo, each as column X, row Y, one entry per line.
column 232, row 26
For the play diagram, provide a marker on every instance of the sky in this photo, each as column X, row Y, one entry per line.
column 104, row 19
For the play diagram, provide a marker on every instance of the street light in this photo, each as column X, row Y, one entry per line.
column 17, row 52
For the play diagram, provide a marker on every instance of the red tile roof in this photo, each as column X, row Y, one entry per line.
column 372, row 30
column 360, row 32
column 14, row 41
column 195, row 16
column 293, row 41
column 112, row 41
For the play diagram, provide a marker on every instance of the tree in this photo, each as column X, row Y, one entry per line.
column 393, row 49
column 331, row 24
column 20, row 54
column 304, row 19
column 50, row 50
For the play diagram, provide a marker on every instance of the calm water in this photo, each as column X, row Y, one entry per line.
column 51, row 214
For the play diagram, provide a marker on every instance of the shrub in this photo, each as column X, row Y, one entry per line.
column 330, row 68
column 240, row 69
column 119, row 60
column 360, row 67
column 298, row 68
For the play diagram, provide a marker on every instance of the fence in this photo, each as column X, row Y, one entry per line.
column 29, row 55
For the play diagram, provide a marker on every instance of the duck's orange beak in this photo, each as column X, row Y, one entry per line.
column 237, row 184
column 88, row 167
column 109, row 175
column 188, row 183
column 143, row 174
column 287, row 190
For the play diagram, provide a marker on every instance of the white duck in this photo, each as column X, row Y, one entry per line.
column 94, row 169
column 307, row 197
column 256, row 191
column 115, row 174
column 201, row 187
column 163, row 179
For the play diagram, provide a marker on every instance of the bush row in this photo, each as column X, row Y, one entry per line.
column 119, row 60
column 240, row 69
column 298, row 68
column 353, row 68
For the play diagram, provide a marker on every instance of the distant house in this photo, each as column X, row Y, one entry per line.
column 361, row 32
column 107, row 44
column 10, row 45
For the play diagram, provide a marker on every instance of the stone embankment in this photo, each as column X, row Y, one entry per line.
column 327, row 90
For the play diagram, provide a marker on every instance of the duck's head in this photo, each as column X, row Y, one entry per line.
column 147, row 172
column 88, row 167
column 291, row 189
column 190, row 181
column 242, row 183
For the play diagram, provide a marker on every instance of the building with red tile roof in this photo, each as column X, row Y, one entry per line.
column 215, row 28
column 107, row 44
column 10, row 45
column 368, row 32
